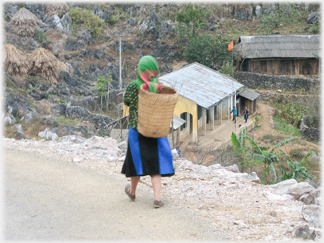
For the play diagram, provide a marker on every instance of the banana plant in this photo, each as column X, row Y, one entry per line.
column 296, row 170
column 268, row 157
column 238, row 142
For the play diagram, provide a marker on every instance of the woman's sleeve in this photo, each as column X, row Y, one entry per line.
column 126, row 97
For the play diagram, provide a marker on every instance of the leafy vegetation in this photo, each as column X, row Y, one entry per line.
column 285, row 127
column 103, row 87
column 192, row 17
column 243, row 152
column 228, row 68
column 113, row 20
column 86, row 19
column 208, row 50
column 268, row 157
column 252, row 155
column 280, row 16
column 66, row 120
column 296, row 170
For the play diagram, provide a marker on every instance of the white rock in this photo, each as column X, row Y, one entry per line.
column 274, row 197
column 297, row 190
column 282, row 187
column 76, row 160
column 312, row 214
column 216, row 166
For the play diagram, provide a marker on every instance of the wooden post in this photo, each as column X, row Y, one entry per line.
column 204, row 127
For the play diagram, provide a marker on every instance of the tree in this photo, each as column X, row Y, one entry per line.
column 208, row 50
column 103, row 87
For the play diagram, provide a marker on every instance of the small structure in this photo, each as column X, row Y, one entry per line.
column 247, row 98
column 279, row 54
column 42, row 62
column 56, row 9
column 15, row 61
column 205, row 97
column 24, row 23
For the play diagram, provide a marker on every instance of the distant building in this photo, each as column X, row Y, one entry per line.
column 205, row 97
column 279, row 54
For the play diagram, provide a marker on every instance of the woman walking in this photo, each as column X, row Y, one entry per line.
column 246, row 114
column 145, row 155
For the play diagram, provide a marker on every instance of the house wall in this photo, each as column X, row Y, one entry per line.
column 226, row 108
column 281, row 66
column 184, row 105
column 218, row 120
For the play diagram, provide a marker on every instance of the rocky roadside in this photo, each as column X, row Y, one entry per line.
column 229, row 200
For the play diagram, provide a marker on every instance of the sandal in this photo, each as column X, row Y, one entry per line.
column 127, row 191
column 158, row 204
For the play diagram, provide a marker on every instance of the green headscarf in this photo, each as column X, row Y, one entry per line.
column 146, row 74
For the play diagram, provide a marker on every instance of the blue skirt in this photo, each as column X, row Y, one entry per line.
column 147, row 156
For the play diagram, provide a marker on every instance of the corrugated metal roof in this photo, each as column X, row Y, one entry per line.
column 177, row 122
column 289, row 46
column 200, row 84
column 249, row 94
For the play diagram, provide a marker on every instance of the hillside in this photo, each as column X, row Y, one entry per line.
column 62, row 71
column 85, row 37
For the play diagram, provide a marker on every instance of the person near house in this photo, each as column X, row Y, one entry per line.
column 242, row 128
column 145, row 156
column 234, row 111
column 246, row 114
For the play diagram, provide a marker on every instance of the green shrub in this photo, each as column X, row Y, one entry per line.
column 280, row 17
column 296, row 170
column 208, row 50
column 113, row 20
column 192, row 15
column 228, row 68
column 286, row 127
column 85, row 19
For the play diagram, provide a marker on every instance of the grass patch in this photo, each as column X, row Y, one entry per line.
column 286, row 128
column 66, row 120
column 296, row 154
column 272, row 138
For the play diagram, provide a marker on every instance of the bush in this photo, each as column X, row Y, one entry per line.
column 228, row 69
column 280, row 16
column 87, row 20
column 208, row 50
column 192, row 15
column 113, row 19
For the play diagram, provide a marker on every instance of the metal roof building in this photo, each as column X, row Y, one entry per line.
column 200, row 84
column 283, row 46
column 249, row 94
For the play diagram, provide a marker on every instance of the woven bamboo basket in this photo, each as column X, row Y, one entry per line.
column 155, row 111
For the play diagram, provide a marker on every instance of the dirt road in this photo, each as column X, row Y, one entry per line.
column 51, row 199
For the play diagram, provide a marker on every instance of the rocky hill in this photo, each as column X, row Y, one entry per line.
column 82, row 42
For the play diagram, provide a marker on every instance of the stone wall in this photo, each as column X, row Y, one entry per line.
column 309, row 127
column 261, row 81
